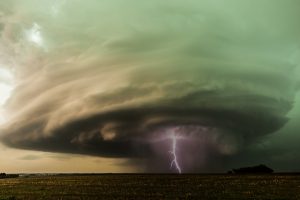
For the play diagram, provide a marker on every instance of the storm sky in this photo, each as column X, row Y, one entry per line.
column 113, row 79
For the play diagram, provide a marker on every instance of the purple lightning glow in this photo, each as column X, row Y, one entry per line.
column 174, row 162
column 187, row 148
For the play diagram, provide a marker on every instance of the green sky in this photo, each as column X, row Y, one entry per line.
column 109, row 79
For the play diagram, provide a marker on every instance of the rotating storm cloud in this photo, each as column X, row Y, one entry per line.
column 175, row 86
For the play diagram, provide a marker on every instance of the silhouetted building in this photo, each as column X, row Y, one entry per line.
column 259, row 169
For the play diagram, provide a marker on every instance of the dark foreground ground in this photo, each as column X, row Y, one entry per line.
column 138, row 186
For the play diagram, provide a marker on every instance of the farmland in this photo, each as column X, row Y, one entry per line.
column 155, row 186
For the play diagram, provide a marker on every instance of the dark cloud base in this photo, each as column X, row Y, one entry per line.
column 131, row 128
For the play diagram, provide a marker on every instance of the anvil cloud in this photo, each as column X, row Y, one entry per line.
column 102, row 77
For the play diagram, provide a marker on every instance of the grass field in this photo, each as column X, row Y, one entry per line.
column 141, row 186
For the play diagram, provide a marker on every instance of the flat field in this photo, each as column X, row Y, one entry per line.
column 152, row 186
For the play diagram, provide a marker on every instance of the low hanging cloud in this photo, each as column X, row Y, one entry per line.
column 109, row 78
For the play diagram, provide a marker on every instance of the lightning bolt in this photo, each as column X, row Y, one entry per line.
column 174, row 162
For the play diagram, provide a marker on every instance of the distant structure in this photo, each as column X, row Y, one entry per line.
column 259, row 169
column 4, row 175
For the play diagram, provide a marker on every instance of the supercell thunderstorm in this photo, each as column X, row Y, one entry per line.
column 173, row 86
